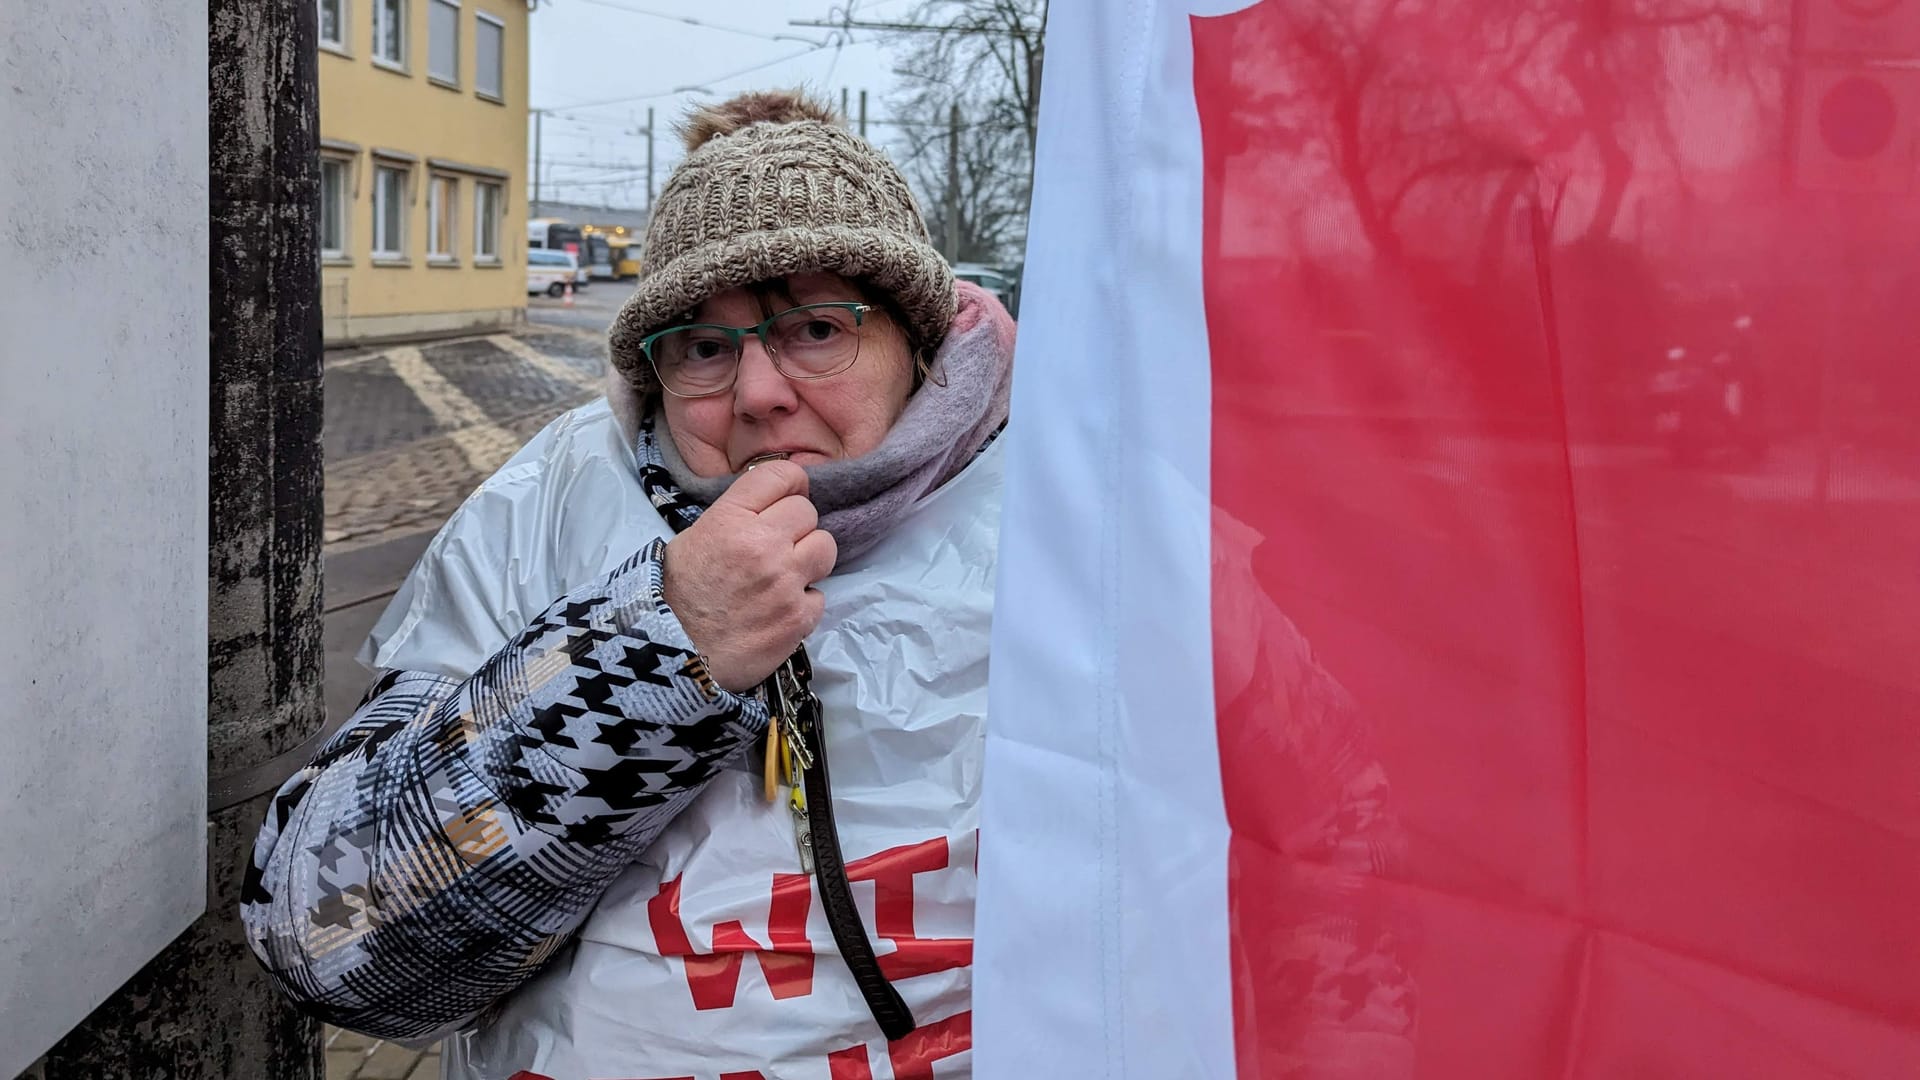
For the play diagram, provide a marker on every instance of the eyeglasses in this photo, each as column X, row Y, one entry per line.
column 811, row 341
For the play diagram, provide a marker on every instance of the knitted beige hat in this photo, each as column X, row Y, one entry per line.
column 772, row 185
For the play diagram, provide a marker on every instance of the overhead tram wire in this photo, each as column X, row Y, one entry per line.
column 849, row 24
column 588, row 121
column 602, row 181
column 701, row 23
column 684, row 89
column 602, row 166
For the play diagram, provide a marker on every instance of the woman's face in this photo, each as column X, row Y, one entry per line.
column 810, row 420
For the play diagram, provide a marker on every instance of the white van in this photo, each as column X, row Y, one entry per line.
column 549, row 271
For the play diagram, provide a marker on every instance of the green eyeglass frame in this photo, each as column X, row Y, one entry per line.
column 736, row 337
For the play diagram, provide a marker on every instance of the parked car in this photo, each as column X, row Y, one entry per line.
column 549, row 271
column 996, row 281
column 1706, row 400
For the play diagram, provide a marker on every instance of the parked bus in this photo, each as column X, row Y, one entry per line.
column 626, row 258
column 593, row 245
column 586, row 243
column 596, row 248
column 555, row 233
column 601, row 243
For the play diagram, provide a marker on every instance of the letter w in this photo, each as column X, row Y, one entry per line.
column 714, row 977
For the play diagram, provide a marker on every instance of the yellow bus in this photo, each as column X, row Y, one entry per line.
column 598, row 242
column 626, row 257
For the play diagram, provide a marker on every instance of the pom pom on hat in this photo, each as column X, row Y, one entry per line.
column 757, row 107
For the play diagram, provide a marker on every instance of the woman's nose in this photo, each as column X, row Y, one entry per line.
column 759, row 390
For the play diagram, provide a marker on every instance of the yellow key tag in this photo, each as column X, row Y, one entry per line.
column 770, row 772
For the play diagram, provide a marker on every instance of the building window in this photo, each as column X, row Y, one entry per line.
column 333, row 23
column 443, row 41
column 489, row 54
column 486, row 222
column 389, row 213
column 333, row 207
column 443, row 203
column 390, row 32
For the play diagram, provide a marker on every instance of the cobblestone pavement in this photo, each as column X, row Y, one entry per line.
column 411, row 429
column 356, row 1057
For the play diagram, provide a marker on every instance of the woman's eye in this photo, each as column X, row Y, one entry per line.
column 819, row 330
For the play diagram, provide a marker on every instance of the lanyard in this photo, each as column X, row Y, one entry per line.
column 796, row 747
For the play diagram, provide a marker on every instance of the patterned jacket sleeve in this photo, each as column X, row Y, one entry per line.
column 453, row 835
column 1325, row 843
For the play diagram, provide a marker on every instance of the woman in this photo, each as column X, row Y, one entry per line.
column 566, row 815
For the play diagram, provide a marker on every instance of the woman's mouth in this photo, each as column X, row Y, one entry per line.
column 761, row 459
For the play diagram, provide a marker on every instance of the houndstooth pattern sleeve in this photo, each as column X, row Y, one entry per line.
column 453, row 835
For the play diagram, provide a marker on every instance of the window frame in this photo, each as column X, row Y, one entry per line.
column 498, row 95
column 487, row 225
column 443, row 250
column 343, row 209
column 406, row 37
column 392, row 256
column 450, row 81
column 343, row 22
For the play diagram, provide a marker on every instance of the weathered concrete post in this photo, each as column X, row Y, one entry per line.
column 202, row 1008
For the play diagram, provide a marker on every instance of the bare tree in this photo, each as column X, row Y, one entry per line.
column 1403, row 102
column 978, row 61
column 1470, row 169
column 984, row 194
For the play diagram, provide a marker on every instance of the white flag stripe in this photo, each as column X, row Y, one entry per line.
column 1102, row 921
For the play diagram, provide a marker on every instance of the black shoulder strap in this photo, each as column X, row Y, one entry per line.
column 830, row 870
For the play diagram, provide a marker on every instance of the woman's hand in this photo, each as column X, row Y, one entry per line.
column 741, row 578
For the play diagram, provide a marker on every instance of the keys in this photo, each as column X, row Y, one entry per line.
column 791, row 706
column 793, row 709
column 788, row 700
column 802, row 826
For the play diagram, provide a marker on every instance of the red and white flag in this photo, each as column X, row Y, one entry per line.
column 1459, row 605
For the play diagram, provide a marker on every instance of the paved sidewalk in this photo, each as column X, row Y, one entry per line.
column 356, row 1057
column 411, row 430
column 592, row 311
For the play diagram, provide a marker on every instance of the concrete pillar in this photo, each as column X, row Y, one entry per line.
column 202, row 1008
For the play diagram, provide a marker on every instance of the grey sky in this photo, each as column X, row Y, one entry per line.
column 588, row 52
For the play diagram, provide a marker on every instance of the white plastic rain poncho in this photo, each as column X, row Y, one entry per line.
column 710, row 956
column 548, row 793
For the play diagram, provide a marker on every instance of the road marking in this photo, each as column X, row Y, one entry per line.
column 366, row 354
column 485, row 444
column 599, row 336
column 552, row 367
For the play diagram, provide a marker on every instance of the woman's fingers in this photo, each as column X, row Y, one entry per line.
column 816, row 552
column 766, row 485
column 792, row 518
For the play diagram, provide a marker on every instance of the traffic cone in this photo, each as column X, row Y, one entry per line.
column 569, row 300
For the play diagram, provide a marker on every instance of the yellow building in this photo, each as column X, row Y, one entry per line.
column 423, row 125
